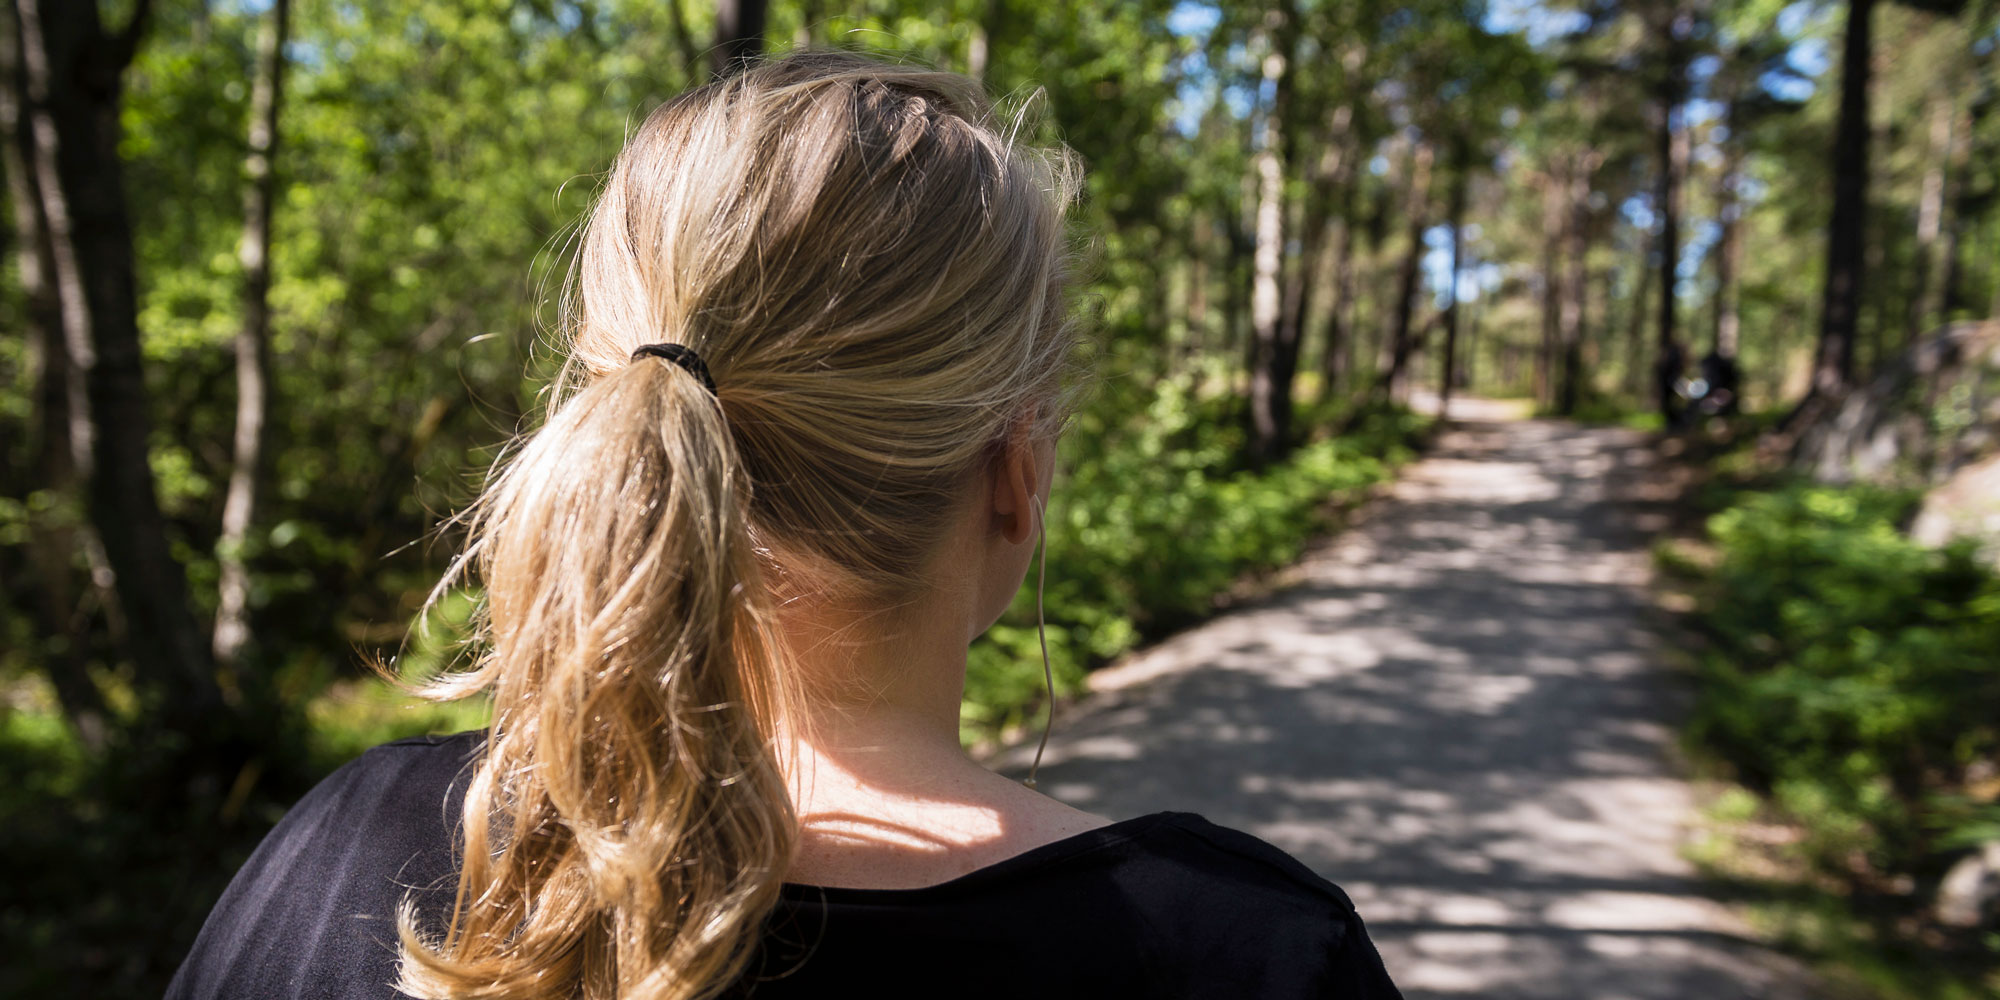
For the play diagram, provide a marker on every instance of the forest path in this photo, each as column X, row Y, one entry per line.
column 1452, row 710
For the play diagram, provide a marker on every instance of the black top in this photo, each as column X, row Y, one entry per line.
column 1165, row 905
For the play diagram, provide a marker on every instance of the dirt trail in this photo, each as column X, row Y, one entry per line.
column 1452, row 710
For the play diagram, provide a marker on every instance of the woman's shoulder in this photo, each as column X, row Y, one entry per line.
column 1228, row 904
column 315, row 903
column 402, row 791
column 1210, row 855
column 407, row 784
column 1196, row 878
column 418, row 764
column 1167, row 904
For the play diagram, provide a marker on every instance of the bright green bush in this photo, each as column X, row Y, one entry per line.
column 1854, row 675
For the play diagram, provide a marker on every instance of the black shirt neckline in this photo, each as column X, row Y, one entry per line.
column 1054, row 851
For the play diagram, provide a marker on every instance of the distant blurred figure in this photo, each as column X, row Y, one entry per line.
column 1667, row 382
column 1715, row 391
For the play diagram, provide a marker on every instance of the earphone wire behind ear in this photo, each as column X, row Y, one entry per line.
column 1041, row 632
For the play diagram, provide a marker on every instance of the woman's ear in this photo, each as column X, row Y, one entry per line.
column 1015, row 484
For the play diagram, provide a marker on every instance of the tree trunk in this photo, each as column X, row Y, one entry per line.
column 1272, row 359
column 1952, row 296
column 1337, row 361
column 73, row 72
column 979, row 49
column 739, row 33
column 1671, row 148
column 52, row 540
column 1635, row 331
column 811, row 13
column 1298, row 303
column 1401, row 340
column 1833, row 369
column 1235, row 298
column 1928, row 291
column 1575, row 283
column 1729, row 246
column 253, row 337
column 1197, row 290
column 684, row 41
column 1545, row 355
column 1461, row 156
column 1315, row 226
column 1472, row 315
column 1327, row 179
column 1602, row 344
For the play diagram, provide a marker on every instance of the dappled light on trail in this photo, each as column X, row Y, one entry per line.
column 1455, row 712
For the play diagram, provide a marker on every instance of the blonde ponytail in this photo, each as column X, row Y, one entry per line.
column 876, row 274
column 633, row 697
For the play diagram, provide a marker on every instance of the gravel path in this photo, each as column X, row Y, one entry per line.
column 1451, row 711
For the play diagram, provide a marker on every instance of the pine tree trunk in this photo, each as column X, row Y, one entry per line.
column 1635, row 331
column 1576, row 281
column 73, row 75
column 51, row 541
column 1327, row 178
column 1337, row 361
column 1671, row 357
column 1402, row 339
column 1461, row 166
column 1729, row 248
column 1472, row 316
column 1545, row 355
column 1833, row 369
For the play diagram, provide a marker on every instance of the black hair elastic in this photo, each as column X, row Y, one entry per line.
column 679, row 354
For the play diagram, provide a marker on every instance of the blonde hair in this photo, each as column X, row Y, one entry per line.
column 875, row 271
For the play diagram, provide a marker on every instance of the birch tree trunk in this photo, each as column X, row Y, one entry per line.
column 739, row 33
column 253, row 343
column 1270, row 388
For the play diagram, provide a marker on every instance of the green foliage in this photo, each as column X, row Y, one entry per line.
column 1597, row 408
column 1153, row 523
column 1853, row 673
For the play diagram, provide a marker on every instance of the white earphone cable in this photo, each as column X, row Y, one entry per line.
column 1041, row 632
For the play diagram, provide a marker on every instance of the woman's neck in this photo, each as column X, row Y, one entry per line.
column 885, row 793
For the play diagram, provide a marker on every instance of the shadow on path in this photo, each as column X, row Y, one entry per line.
column 1452, row 712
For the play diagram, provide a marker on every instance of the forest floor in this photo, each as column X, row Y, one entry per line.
column 1455, row 710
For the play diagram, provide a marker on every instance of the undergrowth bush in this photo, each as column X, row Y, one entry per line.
column 1155, row 520
column 1854, row 674
column 1609, row 411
